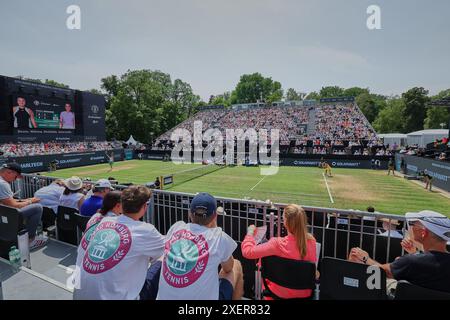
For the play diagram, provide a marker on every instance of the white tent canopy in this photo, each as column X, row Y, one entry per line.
column 132, row 141
column 423, row 137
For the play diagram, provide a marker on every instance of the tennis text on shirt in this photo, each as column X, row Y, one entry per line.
column 186, row 258
column 108, row 246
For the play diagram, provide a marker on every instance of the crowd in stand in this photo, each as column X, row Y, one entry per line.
column 343, row 122
column 33, row 149
column 334, row 126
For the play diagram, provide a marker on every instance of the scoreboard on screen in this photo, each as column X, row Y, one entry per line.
column 36, row 112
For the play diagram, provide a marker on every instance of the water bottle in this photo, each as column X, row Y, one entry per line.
column 14, row 258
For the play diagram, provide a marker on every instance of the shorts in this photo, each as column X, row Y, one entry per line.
column 225, row 289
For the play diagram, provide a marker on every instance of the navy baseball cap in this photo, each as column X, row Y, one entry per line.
column 13, row 166
column 204, row 205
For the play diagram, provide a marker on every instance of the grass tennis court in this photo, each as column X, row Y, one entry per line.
column 349, row 188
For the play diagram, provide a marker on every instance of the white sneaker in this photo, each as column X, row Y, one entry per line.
column 39, row 241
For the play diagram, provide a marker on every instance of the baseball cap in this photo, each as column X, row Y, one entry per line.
column 435, row 222
column 73, row 183
column 203, row 204
column 13, row 166
column 104, row 183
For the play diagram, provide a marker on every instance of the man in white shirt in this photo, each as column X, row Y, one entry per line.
column 115, row 263
column 192, row 255
column 50, row 194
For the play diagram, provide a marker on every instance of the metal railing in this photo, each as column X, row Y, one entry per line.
column 338, row 231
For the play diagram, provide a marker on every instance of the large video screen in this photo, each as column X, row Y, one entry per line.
column 41, row 112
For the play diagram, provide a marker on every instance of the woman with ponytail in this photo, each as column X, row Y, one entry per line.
column 297, row 245
column 111, row 207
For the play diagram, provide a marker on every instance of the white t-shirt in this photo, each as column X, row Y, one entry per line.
column 50, row 196
column 192, row 255
column 115, row 264
column 87, row 235
column 71, row 200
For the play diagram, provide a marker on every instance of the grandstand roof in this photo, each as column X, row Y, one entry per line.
column 428, row 132
column 392, row 135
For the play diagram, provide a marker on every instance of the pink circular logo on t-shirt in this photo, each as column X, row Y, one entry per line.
column 185, row 258
column 109, row 245
column 90, row 228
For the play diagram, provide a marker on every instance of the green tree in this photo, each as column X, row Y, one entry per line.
column 146, row 103
column 390, row 118
column 254, row 87
column 312, row 96
column 370, row 104
column 437, row 115
column 355, row 91
column 416, row 100
column 293, row 95
column 331, row 92
column 221, row 99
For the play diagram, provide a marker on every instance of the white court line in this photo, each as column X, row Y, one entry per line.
column 258, row 183
column 328, row 188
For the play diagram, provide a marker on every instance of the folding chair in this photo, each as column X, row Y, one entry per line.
column 345, row 280
column 288, row 273
column 11, row 223
column 409, row 291
column 66, row 225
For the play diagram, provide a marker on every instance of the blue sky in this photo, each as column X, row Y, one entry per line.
column 304, row 44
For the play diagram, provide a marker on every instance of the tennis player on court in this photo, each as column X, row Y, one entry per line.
column 327, row 168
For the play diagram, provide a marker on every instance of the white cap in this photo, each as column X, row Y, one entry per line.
column 435, row 222
column 104, row 183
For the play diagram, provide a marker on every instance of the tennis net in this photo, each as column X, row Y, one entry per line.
column 188, row 175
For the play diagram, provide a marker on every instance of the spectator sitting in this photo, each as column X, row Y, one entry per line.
column 135, row 244
column 430, row 269
column 390, row 228
column 72, row 196
column 95, row 201
column 203, row 245
column 442, row 156
column 30, row 210
column 297, row 245
column 51, row 194
column 111, row 207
